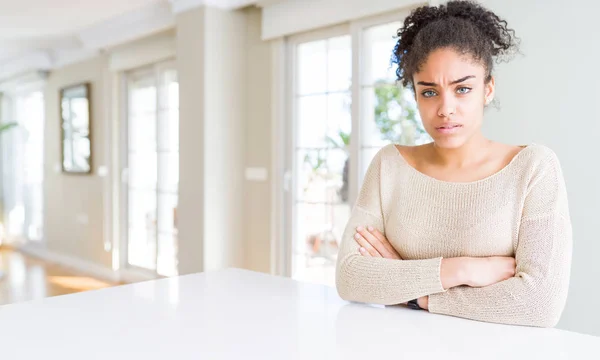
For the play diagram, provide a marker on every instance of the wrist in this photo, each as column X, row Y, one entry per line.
column 454, row 272
column 423, row 302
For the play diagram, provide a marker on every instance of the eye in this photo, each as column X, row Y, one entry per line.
column 463, row 90
column 428, row 93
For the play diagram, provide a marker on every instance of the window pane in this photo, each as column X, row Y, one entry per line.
column 23, row 165
column 310, row 165
column 168, row 134
column 153, row 169
column 167, row 213
column 378, row 45
column 339, row 61
column 142, row 94
column 142, row 248
column 169, row 172
column 312, row 121
column 169, row 90
column 143, row 170
column 317, row 241
column 142, row 228
column 167, row 257
column 312, row 67
column 322, row 129
column 339, row 120
column 142, row 132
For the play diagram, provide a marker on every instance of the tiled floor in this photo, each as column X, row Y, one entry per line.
column 24, row 278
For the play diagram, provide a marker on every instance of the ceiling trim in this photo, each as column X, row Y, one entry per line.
column 179, row 6
column 38, row 60
column 128, row 27
column 62, row 58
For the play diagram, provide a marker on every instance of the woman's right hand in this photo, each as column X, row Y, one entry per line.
column 485, row 271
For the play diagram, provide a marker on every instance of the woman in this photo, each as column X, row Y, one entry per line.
column 462, row 226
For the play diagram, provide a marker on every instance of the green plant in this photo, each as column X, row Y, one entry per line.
column 5, row 127
column 393, row 107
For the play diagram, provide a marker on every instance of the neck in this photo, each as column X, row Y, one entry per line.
column 468, row 154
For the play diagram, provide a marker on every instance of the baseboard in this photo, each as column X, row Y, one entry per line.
column 70, row 262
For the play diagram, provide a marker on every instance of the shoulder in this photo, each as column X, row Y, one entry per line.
column 540, row 157
column 384, row 154
column 541, row 167
column 396, row 151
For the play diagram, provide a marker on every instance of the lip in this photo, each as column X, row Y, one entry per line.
column 449, row 130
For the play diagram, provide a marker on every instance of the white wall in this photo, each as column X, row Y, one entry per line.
column 550, row 95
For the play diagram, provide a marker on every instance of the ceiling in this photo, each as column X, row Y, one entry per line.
column 27, row 25
column 51, row 29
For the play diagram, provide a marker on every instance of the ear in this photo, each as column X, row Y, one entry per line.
column 490, row 90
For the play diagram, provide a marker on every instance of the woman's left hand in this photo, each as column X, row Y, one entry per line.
column 374, row 244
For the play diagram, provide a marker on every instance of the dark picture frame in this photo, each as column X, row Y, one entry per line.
column 75, row 106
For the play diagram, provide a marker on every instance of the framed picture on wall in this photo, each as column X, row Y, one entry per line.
column 76, row 134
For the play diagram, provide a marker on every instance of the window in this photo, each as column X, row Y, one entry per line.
column 153, row 169
column 337, row 88
column 322, row 102
column 23, row 165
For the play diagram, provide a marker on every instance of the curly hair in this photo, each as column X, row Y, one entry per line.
column 464, row 26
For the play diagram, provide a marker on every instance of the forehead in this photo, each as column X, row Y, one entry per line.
column 447, row 64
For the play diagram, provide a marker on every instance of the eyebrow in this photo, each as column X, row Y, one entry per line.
column 425, row 83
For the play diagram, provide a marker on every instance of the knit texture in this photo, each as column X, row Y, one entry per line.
column 521, row 211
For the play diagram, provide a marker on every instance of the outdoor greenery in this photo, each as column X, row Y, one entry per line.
column 394, row 109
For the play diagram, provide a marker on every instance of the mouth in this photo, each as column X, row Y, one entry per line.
column 448, row 129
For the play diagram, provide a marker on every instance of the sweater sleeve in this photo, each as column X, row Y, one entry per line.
column 537, row 294
column 379, row 280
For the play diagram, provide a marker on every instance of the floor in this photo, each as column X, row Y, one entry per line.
column 24, row 278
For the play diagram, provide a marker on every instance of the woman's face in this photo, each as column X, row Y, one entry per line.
column 451, row 95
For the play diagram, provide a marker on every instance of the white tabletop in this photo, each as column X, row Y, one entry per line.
column 238, row 314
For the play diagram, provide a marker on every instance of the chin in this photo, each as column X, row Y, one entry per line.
column 449, row 142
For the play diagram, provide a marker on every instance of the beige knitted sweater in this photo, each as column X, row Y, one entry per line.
column 520, row 211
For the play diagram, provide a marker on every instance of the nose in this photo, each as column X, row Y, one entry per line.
column 447, row 107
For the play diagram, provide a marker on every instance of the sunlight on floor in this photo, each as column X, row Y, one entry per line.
column 79, row 283
column 26, row 278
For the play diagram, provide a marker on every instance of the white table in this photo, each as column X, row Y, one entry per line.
column 238, row 314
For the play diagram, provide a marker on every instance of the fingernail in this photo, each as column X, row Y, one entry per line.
column 370, row 228
column 362, row 250
column 357, row 236
column 360, row 228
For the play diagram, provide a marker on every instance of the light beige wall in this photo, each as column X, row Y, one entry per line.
column 257, row 197
column 225, row 126
column 73, row 204
column 190, row 66
column 210, row 53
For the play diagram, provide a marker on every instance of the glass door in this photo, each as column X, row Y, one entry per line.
column 321, row 135
column 152, row 167
column 23, row 166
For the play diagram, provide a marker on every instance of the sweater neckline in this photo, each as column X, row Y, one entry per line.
column 463, row 183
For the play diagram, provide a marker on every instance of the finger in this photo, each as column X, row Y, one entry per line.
column 364, row 252
column 383, row 240
column 374, row 242
column 365, row 244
